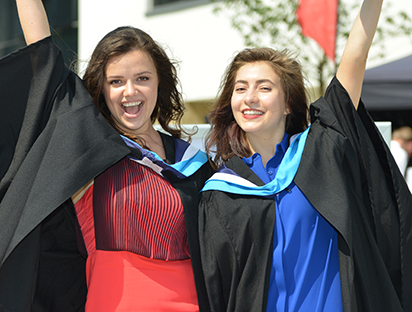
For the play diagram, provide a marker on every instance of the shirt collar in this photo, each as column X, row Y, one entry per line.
column 280, row 147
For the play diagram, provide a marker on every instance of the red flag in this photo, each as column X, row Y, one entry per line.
column 318, row 20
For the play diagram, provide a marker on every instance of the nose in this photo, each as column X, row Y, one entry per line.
column 251, row 97
column 130, row 89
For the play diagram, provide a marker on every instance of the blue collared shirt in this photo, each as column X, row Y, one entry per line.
column 305, row 266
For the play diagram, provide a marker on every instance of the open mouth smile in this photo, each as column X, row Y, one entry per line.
column 132, row 107
column 252, row 112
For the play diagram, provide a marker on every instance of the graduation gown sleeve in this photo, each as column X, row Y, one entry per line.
column 350, row 177
column 53, row 141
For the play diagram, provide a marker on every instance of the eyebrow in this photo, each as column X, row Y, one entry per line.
column 137, row 74
column 258, row 81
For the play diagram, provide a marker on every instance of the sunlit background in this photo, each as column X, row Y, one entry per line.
column 201, row 40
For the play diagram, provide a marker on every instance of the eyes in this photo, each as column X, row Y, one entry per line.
column 120, row 82
column 243, row 88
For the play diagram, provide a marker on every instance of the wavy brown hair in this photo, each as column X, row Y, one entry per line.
column 169, row 106
column 226, row 138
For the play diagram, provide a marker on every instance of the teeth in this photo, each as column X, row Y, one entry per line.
column 252, row 112
column 132, row 104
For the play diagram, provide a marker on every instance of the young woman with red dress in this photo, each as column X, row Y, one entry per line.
column 134, row 189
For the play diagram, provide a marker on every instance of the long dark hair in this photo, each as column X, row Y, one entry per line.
column 225, row 137
column 169, row 106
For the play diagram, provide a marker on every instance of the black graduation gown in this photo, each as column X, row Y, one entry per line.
column 54, row 142
column 350, row 177
column 58, row 142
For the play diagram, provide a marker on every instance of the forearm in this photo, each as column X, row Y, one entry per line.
column 363, row 30
column 33, row 20
column 352, row 67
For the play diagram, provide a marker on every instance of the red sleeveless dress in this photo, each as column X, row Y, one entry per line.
column 133, row 227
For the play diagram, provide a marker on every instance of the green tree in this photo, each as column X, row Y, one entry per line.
column 274, row 21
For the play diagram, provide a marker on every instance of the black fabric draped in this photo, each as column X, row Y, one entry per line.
column 50, row 132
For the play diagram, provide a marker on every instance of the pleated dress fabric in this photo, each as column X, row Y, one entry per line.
column 133, row 226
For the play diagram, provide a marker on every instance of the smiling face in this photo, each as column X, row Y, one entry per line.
column 258, row 102
column 130, row 91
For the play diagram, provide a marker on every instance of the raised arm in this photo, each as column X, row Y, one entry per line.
column 33, row 20
column 352, row 67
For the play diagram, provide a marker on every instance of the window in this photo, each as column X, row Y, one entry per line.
column 160, row 2
column 165, row 6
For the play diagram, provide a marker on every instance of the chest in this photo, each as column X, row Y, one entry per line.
column 132, row 208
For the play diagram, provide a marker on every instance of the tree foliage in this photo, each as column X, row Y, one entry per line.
column 274, row 23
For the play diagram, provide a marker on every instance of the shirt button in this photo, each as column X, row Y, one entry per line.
column 270, row 172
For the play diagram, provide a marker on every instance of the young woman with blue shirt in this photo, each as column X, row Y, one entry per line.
column 303, row 217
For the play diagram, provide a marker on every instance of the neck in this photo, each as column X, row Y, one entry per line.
column 265, row 146
column 153, row 141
